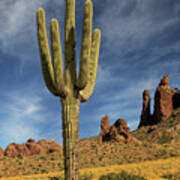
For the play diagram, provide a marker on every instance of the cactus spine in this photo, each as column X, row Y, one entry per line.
column 71, row 89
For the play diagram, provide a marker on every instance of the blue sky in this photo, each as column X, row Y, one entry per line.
column 140, row 44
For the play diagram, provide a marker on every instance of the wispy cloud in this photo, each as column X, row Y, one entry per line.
column 25, row 114
column 21, row 116
column 18, row 26
column 132, row 24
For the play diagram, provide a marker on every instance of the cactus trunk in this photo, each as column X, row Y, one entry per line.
column 70, row 117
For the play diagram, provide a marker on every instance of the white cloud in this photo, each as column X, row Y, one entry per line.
column 18, row 26
column 21, row 115
column 18, row 132
column 16, row 19
column 130, row 24
column 132, row 90
column 23, row 107
column 133, row 124
column 103, row 74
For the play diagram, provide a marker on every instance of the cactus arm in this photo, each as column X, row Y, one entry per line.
column 47, row 68
column 85, row 46
column 69, row 44
column 57, row 58
column 87, row 92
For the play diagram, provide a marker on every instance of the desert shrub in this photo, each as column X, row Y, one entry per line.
column 42, row 157
column 86, row 176
column 172, row 176
column 59, row 164
column 49, row 151
column 44, row 171
column 168, row 176
column 20, row 163
column 52, row 158
column 121, row 176
column 56, row 178
column 20, row 156
column 83, row 177
column 36, row 171
column 164, row 139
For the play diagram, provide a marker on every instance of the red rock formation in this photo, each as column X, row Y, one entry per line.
column 124, row 131
column 163, row 101
column 49, row 145
column 35, row 148
column 23, row 150
column 122, row 128
column 146, row 118
column 32, row 148
column 112, row 134
column 104, row 125
column 176, row 98
column 12, row 150
column 119, row 131
column 1, row 151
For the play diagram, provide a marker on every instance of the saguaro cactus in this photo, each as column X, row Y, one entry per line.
column 71, row 89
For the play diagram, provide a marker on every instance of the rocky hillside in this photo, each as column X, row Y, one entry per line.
column 167, row 131
column 161, row 126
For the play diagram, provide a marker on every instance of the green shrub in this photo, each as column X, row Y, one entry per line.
column 56, row 178
column 121, row 176
column 20, row 156
column 168, row 176
column 175, row 176
column 44, row 171
column 42, row 157
column 86, row 176
column 165, row 139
